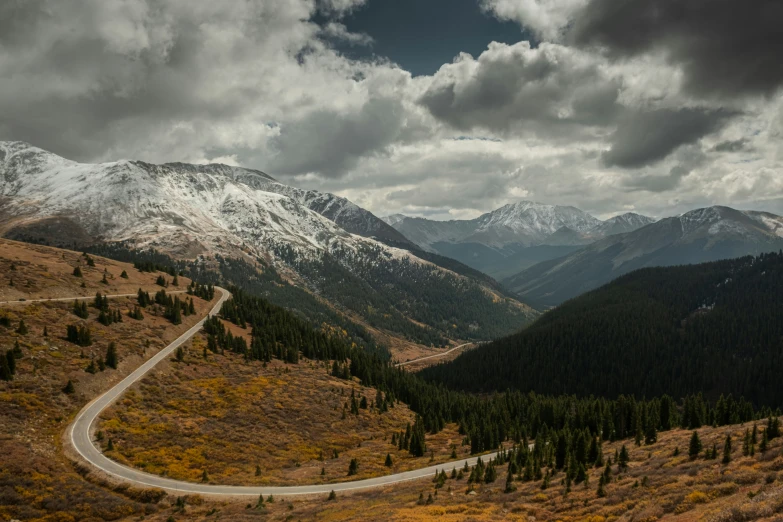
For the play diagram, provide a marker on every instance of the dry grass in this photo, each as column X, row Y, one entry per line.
column 36, row 480
column 228, row 417
column 675, row 488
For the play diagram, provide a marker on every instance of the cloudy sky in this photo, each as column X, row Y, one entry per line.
column 438, row 108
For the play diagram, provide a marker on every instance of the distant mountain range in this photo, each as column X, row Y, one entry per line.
column 323, row 243
column 706, row 234
column 516, row 236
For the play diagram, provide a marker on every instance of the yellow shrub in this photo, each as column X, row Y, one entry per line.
column 697, row 497
column 540, row 498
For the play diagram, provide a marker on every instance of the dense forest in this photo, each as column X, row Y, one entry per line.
column 712, row 328
column 485, row 421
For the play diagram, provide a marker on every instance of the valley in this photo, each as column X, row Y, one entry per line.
column 333, row 378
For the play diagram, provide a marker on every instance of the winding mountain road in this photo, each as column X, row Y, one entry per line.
column 432, row 356
column 80, row 436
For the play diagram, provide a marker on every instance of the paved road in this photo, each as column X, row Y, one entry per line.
column 80, row 298
column 432, row 356
column 81, row 430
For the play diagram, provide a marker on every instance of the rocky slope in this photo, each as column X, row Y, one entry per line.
column 206, row 210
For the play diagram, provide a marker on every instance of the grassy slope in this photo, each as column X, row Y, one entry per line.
column 186, row 417
column 36, row 480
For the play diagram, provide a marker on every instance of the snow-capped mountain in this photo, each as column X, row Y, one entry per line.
column 701, row 235
column 190, row 210
column 514, row 236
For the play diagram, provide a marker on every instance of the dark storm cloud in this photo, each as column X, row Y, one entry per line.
column 725, row 47
column 517, row 87
column 330, row 143
column 643, row 138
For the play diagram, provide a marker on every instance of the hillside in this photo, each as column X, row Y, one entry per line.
column 37, row 481
column 207, row 213
column 661, row 482
column 698, row 236
column 711, row 328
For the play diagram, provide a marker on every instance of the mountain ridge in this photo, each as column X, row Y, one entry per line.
column 193, row 211
column 700, row 235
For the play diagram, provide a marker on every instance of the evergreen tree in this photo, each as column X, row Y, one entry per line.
column 45, row 332
column 91, row 367
column 77, row 272
column 764, row 442
column 727, row 450
column 111, row 356
column 5, row 371
column 388, row 462
column 601, row 487
column 332, row 495
column 694, row 447
column 22, row 329
column 69, row 388
column 124, row 274
column 623, row 458
column 10, row 358
column 353, row 467
column 205, row 476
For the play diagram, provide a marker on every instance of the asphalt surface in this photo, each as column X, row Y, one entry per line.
column 432, row 356
column 80, row 434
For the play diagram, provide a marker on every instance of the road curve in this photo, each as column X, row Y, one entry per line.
column 80, row 437
column 432, row 356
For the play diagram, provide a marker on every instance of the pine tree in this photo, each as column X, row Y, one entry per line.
column 77, row 272
column 91, row 367
column 389, row 462
column 694, row 447
column 175, row 281
column 764, row 442
column 124, row 274
column 332, row 495
column 510, row 482
column 45, row 332
column 111, row 356
column 69, row 388
column 22, row 329
column 180, row 354
column 5, row 371
column 727, row 450
column 205, row 476
column 601, row 487
column 623, row 458
column 353, row 467
column 258, row 470
column 10, row 358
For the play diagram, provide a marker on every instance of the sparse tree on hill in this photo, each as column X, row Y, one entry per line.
column 694, row 447
column 111, row 356
column 389, row 462
column 77, row 272
column 727, row 450
column 124, row 274
column 353, row 467
column 69, row 388
column 10, row 358
column 623, row 458
column 22, row 329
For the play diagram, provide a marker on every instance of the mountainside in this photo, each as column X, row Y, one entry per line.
column 697, row 236
column 506, row 240
column 712, row 328
column 188, row 211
